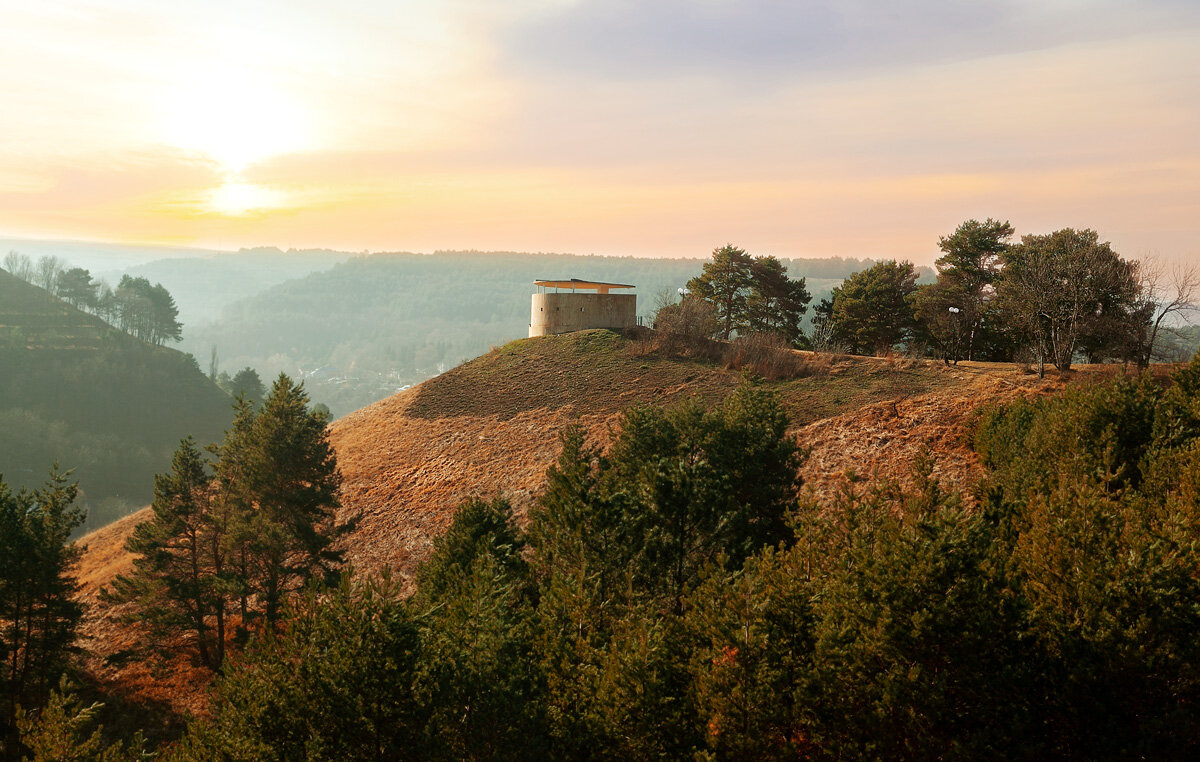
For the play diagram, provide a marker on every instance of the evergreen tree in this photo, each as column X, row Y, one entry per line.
column 58, row 732
column 725, row 283
column 335, row 685
column 681, row 486
column 288, row 491
column 77, row 288
column 776, row 303
column 182, row 577
column 246, row 383
column 751, row 294
column 243, row 539
column 475, row 679
column 145, row 311
column 38, row 610
column 871, row 312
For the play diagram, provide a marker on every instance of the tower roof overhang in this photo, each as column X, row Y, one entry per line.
column 575, row 284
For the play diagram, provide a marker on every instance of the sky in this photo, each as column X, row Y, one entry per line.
column 801, row 128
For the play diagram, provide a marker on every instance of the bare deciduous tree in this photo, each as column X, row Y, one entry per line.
column 19, row 265
column 1167, row 293
column 48, row 269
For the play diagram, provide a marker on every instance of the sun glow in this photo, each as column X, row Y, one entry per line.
column 235, row 118
column 238, row 198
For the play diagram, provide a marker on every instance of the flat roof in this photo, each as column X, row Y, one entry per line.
column 576, row 283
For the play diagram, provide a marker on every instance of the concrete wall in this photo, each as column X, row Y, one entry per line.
column 564, row 312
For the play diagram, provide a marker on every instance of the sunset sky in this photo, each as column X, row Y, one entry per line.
column 657, row 128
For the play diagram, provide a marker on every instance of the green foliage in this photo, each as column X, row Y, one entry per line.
column 959, row 311
column 255, row 532
column 681, row 487
column 776, row 303
column 725, row 283
column 621, row 539
column 916, row 651
column 1100, row 486
column 753, row 634
column 481, row 529
column 335, row 684
column 38, row 610
column 884, row 633
column 871, row 312
column 1067, row 291
column 245, row 383
column 1110, row 585
column 475, row 677
column 76, row 287
column 183, row 575
column 58, row 732
column 751, row 294
column 145, row 311
column 971, row 254
column 286, row 484
column 1102, row 433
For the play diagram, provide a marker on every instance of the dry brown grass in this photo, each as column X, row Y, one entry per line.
column 768, row 356
column 492, row 426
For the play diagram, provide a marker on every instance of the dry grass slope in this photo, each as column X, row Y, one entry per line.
column 492, row 425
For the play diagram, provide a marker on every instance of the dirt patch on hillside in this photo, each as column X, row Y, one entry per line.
column 403, row 475
column 883, row 440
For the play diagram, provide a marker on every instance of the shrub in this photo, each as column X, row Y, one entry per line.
column 768, row 356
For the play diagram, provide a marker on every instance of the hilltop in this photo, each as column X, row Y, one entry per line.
column 96, row 400
column 492, row 425
column 380, row 322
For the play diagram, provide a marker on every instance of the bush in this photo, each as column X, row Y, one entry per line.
column 335, row 685
column 769, row 356
column 687, row 327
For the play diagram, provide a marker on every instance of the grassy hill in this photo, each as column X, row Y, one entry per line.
column 96, row 400
column 388, row 320
column 492, row 425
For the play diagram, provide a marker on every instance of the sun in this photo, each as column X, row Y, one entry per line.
column 235, row 117
column 235, row 199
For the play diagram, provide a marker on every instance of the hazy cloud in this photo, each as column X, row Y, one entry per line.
column 780, row 39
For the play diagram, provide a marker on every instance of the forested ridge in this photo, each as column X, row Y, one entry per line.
column 97, row 401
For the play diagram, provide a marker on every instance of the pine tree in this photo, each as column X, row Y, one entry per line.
column 725, row 282
column 180, row 579
column 289, row 494
column 38, row 611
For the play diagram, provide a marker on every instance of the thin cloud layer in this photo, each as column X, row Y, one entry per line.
column 780, row 40
column 858, row 128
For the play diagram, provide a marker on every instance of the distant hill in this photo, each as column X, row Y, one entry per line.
column 98, row 256
column 374, row 324
column 98, row 401
column 204, row 285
